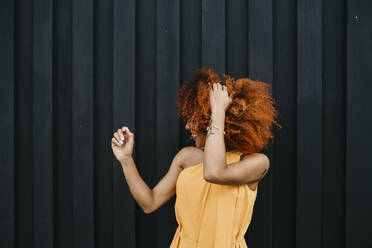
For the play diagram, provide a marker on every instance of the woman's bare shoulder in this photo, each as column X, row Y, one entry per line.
column 188, row 155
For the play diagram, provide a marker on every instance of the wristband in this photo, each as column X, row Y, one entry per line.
column 212, row 128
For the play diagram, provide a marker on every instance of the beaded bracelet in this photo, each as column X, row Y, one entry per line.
column 210, row 129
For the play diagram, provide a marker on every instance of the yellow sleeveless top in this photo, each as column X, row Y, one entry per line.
column 211, row 215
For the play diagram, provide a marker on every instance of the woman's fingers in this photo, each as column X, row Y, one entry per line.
column 121, row 135
column 115, row 142
column 218, row 86
column 126, row 131
column 214, row 86
column 117, row 137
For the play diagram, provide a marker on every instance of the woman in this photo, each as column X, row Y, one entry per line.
column 216, row 180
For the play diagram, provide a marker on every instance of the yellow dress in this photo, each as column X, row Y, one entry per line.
column 211, row 215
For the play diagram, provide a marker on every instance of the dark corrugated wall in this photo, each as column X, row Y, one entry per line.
column 74, row 71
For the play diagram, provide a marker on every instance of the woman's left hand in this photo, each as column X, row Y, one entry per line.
column 219, row 98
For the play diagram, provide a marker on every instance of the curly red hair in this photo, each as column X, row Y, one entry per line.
column 248, row 119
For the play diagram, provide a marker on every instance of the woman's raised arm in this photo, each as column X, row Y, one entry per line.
column 148, row 199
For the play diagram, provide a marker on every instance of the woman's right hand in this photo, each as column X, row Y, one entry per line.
column 122, row 143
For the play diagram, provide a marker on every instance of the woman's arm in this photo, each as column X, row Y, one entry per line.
column 214, row 158
column 148, row 199
column 252, row 168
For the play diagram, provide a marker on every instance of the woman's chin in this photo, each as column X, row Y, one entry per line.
column 198, row 144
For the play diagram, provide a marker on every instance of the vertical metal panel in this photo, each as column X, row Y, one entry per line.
column 123, row 115
column 167, row 84
column 261, row 68
column 284, row 160
column 103, row 123
column 359, row 121
column 213, row 35
column 261, row 40
column 7, row 191
column 334, row 124
column 62, row 112
column 190, row 49
column 309, row 124
column 237, row 38
column 145, row 110
column 23, row 128
column 82, row 123
column 43, row 122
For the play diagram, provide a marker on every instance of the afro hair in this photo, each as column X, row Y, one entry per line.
column 248, row 119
